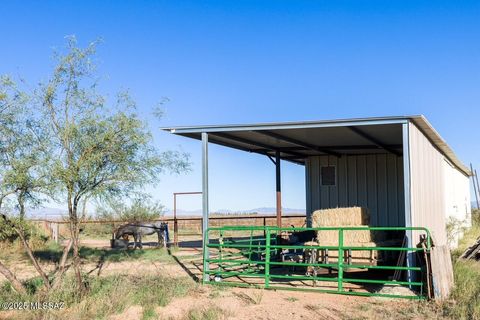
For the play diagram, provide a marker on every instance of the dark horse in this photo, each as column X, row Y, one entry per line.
column 139, row 229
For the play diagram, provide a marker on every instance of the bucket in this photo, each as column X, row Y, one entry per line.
column 118, row 243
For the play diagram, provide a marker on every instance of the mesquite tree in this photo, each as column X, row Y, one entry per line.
column 98, row 149
column 66, row 141
column 24, row 158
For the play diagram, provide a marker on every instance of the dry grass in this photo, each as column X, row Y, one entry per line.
column 207, row 313
column 106, row 296
column 255, row 297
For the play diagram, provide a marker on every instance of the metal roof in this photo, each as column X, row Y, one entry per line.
column 298, row 140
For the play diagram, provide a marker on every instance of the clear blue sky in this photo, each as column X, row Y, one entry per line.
column 249, row 61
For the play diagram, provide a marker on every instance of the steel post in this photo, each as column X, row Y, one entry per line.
column 205, row 200
column 408, row 200
column 278, row 188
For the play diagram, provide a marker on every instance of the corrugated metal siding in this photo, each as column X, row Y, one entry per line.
column 457, row 194
column 372, row 181
column 427, row 186
column 457, row 202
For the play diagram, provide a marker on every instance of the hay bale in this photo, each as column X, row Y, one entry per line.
column 350, row 237
column 341, row 217
column 346, row 217
column 358, row 256
column 397, row 290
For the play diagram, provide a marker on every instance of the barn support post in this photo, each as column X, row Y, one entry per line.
column 278, row 188
column 408, row 200
column 175, row 222
column 205, row 203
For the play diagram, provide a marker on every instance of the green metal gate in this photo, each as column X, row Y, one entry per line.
column 251, row 256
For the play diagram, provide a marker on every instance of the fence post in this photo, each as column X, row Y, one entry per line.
column 220, row 250
column 267, row 258
column 264, row 225
column 57, row 232
column 340, row 260
column 205, row 275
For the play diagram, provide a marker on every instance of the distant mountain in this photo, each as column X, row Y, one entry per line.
column 263, row 210
column 46, row 212
column 55, row 213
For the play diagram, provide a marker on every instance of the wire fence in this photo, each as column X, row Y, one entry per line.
column 188, row 227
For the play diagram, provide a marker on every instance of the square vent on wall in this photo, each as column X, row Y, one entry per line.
column 328, row 175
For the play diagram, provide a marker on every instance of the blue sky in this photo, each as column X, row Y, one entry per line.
column 252, row 61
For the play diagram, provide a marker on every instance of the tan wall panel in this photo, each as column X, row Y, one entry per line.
column 427, row 186
column 457, row 202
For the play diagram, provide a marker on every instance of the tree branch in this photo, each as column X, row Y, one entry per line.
column 16, row 284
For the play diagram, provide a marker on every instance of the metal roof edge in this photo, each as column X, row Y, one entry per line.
column 420, row 121
column 288, row 124
column 436, row 139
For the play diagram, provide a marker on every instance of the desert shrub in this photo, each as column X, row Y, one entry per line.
column 97, row 230
column 141, row 208
column 476, row 217
column 36, row 237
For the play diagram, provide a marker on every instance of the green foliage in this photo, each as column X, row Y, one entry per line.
column 24, row 152
column 469, row 235
column 141, row 208
column 149, row 313
column 101, row 148
column 8, row 234
column 64, row 140
column 94, row 254
column 97, row 230
column 51, row 253
column 467, row 290
column 476, row 217
column 455, row 228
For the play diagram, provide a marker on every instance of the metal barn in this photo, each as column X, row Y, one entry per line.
column 399, row 168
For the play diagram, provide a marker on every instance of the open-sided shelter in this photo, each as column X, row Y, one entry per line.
column 397, row 167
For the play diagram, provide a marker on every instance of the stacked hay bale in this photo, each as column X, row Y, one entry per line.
column 345, row 217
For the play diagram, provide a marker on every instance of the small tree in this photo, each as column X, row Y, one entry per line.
column 24, row 161
column 99, row 150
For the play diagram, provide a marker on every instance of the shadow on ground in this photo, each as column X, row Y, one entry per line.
column 105, row 254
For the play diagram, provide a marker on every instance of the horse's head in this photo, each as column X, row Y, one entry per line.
column 117, row 235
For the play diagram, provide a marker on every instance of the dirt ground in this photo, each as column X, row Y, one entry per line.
column 229, row 303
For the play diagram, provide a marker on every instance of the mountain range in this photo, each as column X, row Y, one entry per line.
column 54, row 213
